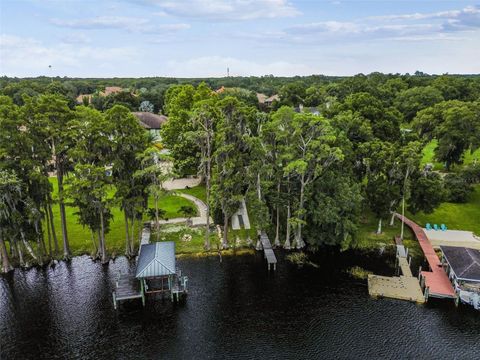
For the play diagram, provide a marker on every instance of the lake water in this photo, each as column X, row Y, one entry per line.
column 235, row 310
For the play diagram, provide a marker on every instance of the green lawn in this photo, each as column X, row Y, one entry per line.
column 455, row 216
column 428, row 156
column 367, row 237
column 197, row 191
column 80, row 238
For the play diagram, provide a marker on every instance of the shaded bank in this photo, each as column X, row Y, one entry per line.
column 235, row 309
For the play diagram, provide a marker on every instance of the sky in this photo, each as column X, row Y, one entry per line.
column 201, row 38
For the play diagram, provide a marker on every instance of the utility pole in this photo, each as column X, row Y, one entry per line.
column 228, row 71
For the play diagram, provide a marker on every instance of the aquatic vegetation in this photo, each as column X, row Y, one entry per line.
column 358, row 272
column 300, row 259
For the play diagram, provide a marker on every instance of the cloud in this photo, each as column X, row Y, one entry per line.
column 138, row 25
column 222, row 10
column 75, row 38
column 29, row 57
column 467, row 18
column 416, row 26
column 216, row 66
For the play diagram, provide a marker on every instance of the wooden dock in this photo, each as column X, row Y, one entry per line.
column 403, row 287
column 396, row 287
column 127, row 287
column 436, row 280
column 269, row 255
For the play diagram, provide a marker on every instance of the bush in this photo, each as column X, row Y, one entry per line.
column 457, row 188
column 471, row 174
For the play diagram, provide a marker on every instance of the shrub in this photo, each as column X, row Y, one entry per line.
column 457, row 188
column 471, row 174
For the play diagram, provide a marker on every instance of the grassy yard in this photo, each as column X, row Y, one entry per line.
column 197, row 191
column 367, row 237
column 455, row 216
column 80, row 238
column 428, row 156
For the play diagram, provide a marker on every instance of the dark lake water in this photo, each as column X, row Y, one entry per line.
column 235, row 310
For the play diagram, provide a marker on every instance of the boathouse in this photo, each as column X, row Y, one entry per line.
column 462, row 266
column 157, row 272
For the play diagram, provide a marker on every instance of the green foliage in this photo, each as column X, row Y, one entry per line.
column 412, row 100
column 426, row 192
column 457, row 188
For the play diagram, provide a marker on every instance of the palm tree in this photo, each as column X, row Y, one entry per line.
column 10, row 195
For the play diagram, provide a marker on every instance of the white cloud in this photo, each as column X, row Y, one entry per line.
column 433, row 26
column 226, row 9
column 216, row 66
column 140, row 25
column 22, row 56
column 75, row 38
column 453, row 20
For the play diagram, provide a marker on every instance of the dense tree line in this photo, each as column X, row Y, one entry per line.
column 98, row 161
column 310, row 176
column 307, row 176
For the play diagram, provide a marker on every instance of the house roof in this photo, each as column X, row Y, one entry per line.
column 261, row 98
column 83, row 96
column 149, row 120
column 272, row 98
column 464, row 262
column 156, row 259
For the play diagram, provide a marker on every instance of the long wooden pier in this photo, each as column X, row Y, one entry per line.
column 436, row 280
column 269, row 255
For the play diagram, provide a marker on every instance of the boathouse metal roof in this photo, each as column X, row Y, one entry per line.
column 156, row 259
column 464, row 262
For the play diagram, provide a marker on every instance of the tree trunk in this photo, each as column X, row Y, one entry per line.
column 392, row 220
column 277, row 222
column 127, row 235
column 52, row 226
column 99, row 244
column 6, row 267
column 102, row 238
column 28, row 247
column 379, row 230
column 49, row 234
column 132, row 237
column 18, row 245
column 299, row 243
column 287, row 245
column 63, row 218
column 207, row 180
column 225, row 231
column 157, row 218
column 95, row 247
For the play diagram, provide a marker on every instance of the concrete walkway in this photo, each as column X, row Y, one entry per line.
column 200, row 220
column 453, row 238
column 177, row 184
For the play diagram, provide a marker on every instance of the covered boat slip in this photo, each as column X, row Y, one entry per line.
column 156, row 270
column 463, row 268
column 155, row 273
